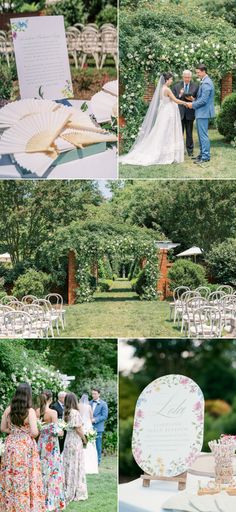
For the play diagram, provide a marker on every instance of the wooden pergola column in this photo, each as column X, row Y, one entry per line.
column 72, row 283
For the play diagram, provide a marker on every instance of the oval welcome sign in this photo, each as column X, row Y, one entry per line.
column 168, row 426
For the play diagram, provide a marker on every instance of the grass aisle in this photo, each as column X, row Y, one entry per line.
column 222, row 164
column 102, row 489
column 119, row 313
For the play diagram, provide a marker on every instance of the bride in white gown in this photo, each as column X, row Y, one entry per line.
column 160, row 139
column 90, row 452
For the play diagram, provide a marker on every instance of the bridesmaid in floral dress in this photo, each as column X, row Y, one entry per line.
column 49, row 452
column 21, row 486
column 73, row 454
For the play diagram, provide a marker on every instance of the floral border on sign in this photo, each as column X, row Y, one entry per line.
column 67, row 91
column 19, row 26
column 176, row 466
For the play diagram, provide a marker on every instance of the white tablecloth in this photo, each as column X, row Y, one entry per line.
column 133, row 497
column 101, row 166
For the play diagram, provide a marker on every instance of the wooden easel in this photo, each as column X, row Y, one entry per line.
column 181, row 479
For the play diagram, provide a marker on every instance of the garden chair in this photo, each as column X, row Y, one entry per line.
column 50, row 315
column 207, row 323
column 39, row 321
column 176, row 296
column 3, row 310
column 6, row 49
column 79, row 26
column 226, row 288
column 28, row 299
column 16, row 305
column 188, row 294
column 228, row 309
column 56, row 300
column 107, row 25
column 91, row 45
column 92, row 25
column 8, row 298
column 204, row 291
column 72, row 46
column 191, row 305
column 18, row 324
column 109, row 45
column 216, row 297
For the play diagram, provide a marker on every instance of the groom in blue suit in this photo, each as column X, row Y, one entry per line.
column 204, row 110
column 100, row 415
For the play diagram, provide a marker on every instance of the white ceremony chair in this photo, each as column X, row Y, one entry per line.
column 109, row 45
column 91, row 45
column 176, row 296
column 207, row 323
column 56, row 301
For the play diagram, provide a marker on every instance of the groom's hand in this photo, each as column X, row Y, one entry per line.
column 189, row 105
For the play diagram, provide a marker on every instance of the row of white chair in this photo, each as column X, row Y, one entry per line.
column 31, row 317
column 203, row 313
column 82, row 42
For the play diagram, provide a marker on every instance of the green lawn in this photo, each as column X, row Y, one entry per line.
column 102, row 490
column 222, row 164
column 119, row 313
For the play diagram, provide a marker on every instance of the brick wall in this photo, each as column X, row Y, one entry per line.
column 150, row 89
column 164, row 266
column 226, row 88
column 72, row 284
column 226, row 85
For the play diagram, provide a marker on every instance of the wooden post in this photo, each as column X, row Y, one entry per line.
column 226, row 85
column 181, row 479
column 72, row 283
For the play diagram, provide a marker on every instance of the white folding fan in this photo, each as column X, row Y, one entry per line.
column 35, row 133
column 103, row 105
column 13, row 112
column 39, row 163
column 81, row 120
column 80, row 138
column 111, row 87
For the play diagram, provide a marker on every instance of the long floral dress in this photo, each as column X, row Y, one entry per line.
column 21, row 486
column 52, row 470
column 73, row 460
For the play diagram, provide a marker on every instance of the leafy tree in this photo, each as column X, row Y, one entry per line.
column 187, row 212
column 31, row 212
column 221, row 9
column 222, row 262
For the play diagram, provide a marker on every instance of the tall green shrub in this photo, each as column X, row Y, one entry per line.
column 186, row 273
column 227, row 118
column 33, row 282
column 222, row 262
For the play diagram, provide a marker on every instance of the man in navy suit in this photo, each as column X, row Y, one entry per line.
column 204, row 110
column 58, row 406
column 100, row 415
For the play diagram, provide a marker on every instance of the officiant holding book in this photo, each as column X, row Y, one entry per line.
column 183, row 90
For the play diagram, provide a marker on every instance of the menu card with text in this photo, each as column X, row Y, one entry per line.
column 168, row 426
column 41, row 57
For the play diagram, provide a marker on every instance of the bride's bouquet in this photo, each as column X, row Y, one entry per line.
column 91, row 435
column 62, row 425
column 40, row 425
column 2, row 447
